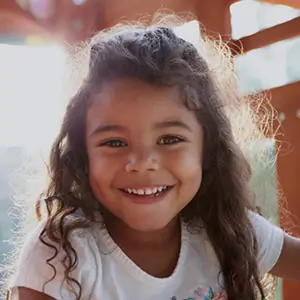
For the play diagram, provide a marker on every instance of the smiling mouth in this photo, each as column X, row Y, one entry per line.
column 148, row 192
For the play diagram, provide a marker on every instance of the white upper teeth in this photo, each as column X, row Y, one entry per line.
column 147, row 191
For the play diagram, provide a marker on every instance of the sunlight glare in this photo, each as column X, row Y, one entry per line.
column 31, row 94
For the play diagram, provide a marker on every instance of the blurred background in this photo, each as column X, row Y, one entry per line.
column 33, row 65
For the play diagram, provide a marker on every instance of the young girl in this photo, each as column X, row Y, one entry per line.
column 149, row 195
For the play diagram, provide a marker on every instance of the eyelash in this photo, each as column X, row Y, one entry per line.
column 171, row 137
column 118, row 143
column 111, row 143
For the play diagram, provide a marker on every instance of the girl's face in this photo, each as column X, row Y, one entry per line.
column 145, row 153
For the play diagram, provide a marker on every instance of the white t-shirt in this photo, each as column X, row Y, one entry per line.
column 105, row 272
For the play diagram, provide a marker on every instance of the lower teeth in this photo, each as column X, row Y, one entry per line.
column 158, row 193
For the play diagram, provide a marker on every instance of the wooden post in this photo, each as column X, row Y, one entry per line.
column 288, row 167
column 215, row 17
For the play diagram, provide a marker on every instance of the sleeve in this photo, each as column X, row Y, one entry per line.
column 32, row 270
column 270, row 242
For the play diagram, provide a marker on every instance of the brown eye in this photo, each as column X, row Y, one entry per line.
column 170, row 140
column 113, row 144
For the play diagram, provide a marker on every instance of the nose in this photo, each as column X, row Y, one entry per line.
column 141, row 161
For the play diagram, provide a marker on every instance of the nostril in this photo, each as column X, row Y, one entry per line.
column 142, row 165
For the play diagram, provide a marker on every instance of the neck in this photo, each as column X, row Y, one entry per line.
column 155, row 252
column 124, row 235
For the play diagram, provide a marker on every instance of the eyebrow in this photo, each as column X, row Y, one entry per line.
column 160, row 125
column 176, row 123
column 107, row 128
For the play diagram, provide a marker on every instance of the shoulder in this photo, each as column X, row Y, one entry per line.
column 265, row 229
column 41, row 263
column 269, row 241
column 38, row 247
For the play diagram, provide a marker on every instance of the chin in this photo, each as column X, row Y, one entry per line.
column 148, row 225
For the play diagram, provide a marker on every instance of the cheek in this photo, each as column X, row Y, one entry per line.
column 187, row 162
column 186, row 166
column 101, row 173
column 93, row 184
column 191, row 180
column 192, row 176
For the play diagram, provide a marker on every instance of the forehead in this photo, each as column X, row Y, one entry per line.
column 136, row 103
column 132, row 91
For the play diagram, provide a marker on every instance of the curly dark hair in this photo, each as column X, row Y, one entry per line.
column 157, row 55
